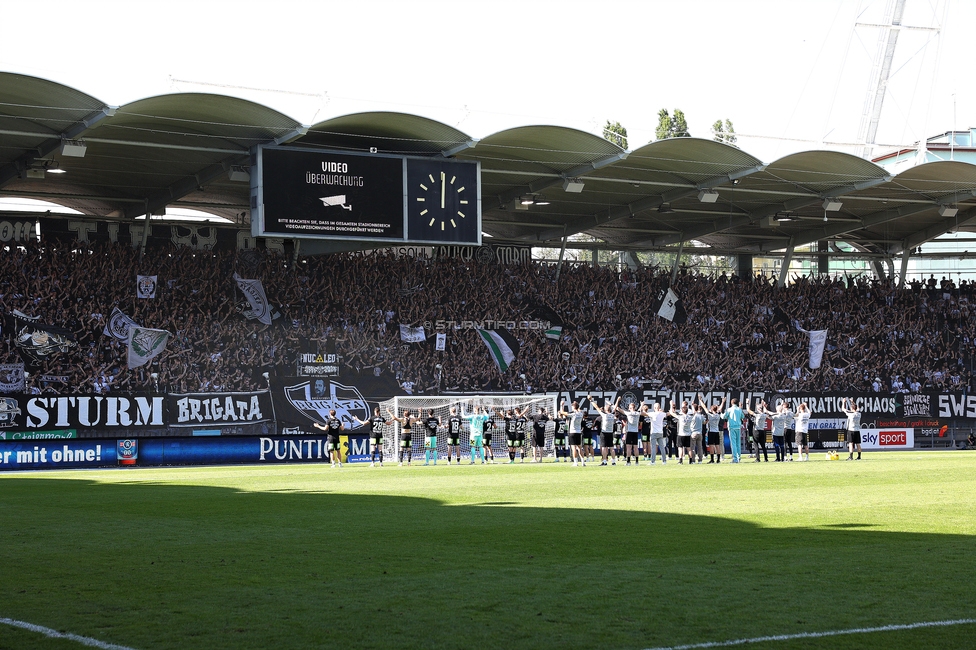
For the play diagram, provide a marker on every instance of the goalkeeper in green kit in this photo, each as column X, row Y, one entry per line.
column 477, row 420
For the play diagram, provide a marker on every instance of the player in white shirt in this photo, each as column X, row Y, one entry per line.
column 684, row 418
column 853, row 428
column 802, row 421
column 607, row 421
column 632, row 432
column 656, row 416
column 576, row 434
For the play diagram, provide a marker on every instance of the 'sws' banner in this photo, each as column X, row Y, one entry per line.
column 225, row 409
column 300, row 402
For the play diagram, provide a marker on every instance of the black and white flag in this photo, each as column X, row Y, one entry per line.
column 441, row 342
column 118, row 325
column 253, row 291
column 412, row 334
column 668, row 306
column 11, row 377
column 146, row 286
column 36, row 342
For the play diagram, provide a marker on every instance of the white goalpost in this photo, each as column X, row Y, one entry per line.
column 466, row 405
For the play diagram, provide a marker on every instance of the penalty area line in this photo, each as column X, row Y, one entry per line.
column 817, row 635
column 54, row 634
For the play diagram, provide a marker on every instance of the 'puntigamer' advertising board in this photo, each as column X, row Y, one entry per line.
column 323, row 194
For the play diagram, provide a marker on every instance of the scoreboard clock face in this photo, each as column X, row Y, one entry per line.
column 443, row 201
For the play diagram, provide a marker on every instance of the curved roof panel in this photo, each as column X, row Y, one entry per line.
column 180, row 148
column 388, row 132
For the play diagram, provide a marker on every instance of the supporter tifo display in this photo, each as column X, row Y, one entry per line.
column 241, row 321
column 295, row 404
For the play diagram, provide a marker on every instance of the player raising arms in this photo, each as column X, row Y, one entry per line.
column 802, row 419
column 735, row 417
column 455, row 425
column 576, row 434
column 511, row 437
column 539, row 422
column 714, row 438
column 406, row 433
column 431, row 424
column 853, row 427
column 759, row 431
column 374, row 427
column 607, row 421
column 632, row 435
column 684, row 419
column 332, row 427
column 561, row 432
column 656, row 418
column 477, row 420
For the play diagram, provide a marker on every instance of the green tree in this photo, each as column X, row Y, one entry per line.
column 616, row 133
column 671, row 126
column 723, row 132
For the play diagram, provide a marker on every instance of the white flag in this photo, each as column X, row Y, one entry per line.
column 670, row 308
column 818, row 339
column 254, row 292
column 441, row 342
column 118, row 325
column 412, row 334
column 144, row 344
column 146, row 286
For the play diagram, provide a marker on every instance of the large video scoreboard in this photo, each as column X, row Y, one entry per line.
column 325, row 194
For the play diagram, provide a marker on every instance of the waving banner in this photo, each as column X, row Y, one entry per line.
column 118, row 325
column 254, row 293
column 144, row 344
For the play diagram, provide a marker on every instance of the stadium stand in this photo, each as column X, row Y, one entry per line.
column 740, row 331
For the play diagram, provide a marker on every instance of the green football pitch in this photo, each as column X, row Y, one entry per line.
column 502, row 556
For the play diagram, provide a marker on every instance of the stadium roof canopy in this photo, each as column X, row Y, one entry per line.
column 181, row 150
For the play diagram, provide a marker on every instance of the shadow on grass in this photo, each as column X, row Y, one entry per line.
column 169, row 566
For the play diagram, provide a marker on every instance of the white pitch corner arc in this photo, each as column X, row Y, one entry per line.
column 817, row 635
column 54, row 634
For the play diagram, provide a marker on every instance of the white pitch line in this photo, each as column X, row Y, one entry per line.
column 816, row 635
column 54, row 634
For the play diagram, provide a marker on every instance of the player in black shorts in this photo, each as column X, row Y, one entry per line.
column 374, row 428
column 455, row 428
column 511, row 435
column 561, row 433
column 521, row 421
column 539, row 422
column 645, row 431
column 486, row 437
column 631, row 422
column 332, row 427
column 407, row 423
column 589, row 426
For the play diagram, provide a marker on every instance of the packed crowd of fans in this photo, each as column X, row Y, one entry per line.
column 740, row 332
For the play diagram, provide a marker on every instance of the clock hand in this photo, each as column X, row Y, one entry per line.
column 442, row 190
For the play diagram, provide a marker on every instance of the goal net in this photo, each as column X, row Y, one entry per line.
column 466, row 405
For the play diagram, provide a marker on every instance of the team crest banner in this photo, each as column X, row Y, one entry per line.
column 144, row 344
column 146, row 286
column 118, row 325
column 253, row 291
column 11, row 377
column 315, row 402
